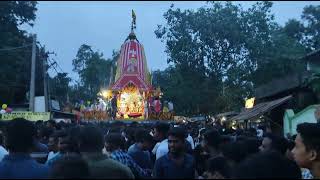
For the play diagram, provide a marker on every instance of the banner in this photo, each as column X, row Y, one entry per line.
column 32, row 116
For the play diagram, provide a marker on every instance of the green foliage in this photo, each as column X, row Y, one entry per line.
column 220, row 52
column 59, row 86
column 84, row 54
column 16, row 13
column 311, row 17
column 94, row 72
column 294, row 29
column 16, row 64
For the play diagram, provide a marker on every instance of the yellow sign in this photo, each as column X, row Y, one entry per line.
column 250, row 103
column 31, row 116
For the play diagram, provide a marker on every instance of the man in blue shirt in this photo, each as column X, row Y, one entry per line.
column 63, row 143
column 19, row 164
column 113, row 144
column 140, row 150
column 176, row 164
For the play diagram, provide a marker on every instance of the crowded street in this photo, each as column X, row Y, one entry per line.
column 160, row 90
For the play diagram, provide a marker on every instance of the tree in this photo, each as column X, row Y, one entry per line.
column 294, row 29
column 59, row 86
column 311, row 17
column 93, row 70
column 113, row 65
column 84, row 54
column 16, row 63
column 14, row 13
column 219, row 53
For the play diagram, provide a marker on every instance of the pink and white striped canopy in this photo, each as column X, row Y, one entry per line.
column 132, row 67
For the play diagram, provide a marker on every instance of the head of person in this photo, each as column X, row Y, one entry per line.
column 39, row 123
column 235, row 152
column 130, row 133
column 265, row 165
column 225, row 139
column 161, row 131
column 253, row 145
column 273, row 142
column 20, row 134
column 53, row 142
column 144, row 138
column 91, row 139
column 51, row 124
column 115, row 130
column 70, row 166
column 114, row 141
column 177, row 140
column 307, row 145
column 211, row 140
column 217, row 168
column 45, row 133
column 63, row 141
column 74, row 134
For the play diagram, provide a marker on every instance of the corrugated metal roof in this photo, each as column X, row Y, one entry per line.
column 260, row 109
column 312, row 56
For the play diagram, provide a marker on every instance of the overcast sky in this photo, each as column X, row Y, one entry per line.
column 64, row 26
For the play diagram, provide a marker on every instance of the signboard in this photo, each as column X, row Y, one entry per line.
column 55, row 105
column 249, row 103
column 32, row 116
column 39, row 102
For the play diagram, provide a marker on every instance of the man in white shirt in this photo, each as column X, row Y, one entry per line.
column 190, row 140
column 160, row 134
column 53, row 146
column 162, row 149
column 146, row 107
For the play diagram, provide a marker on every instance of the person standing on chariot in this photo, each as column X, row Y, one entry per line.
column 157, row 106
column 113, row 107
column 146, row 107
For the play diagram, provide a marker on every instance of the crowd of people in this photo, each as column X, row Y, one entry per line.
column 47, row 149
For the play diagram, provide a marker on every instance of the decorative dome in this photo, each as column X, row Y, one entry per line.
column 132, row 64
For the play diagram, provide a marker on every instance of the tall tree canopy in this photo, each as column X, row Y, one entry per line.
column 60, row 87
column 221, row 51
column 94, row 72
column 16, row 63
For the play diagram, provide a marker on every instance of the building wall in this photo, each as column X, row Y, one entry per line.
column 288, row 115
column 291, row 121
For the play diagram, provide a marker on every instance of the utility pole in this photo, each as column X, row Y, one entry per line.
column 45, row 86
column 33, row 73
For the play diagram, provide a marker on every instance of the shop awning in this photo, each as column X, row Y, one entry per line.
column 260, row 109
